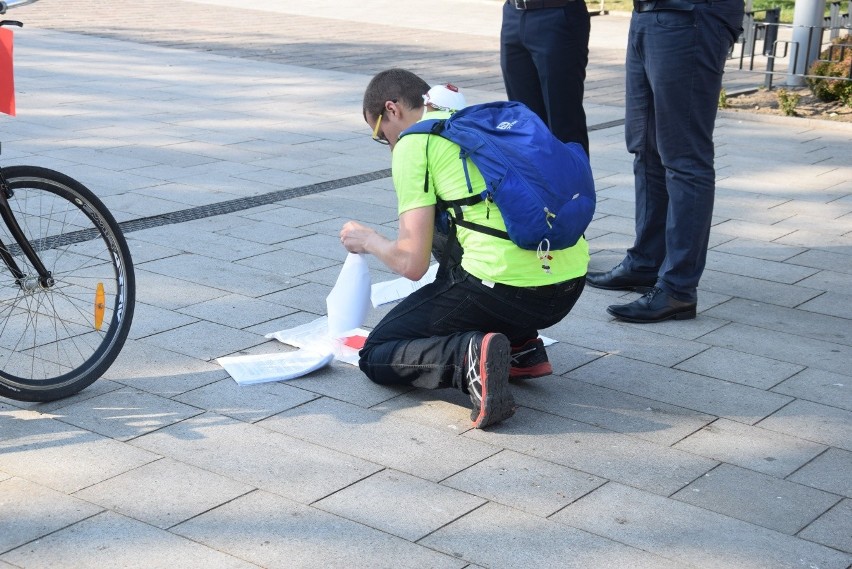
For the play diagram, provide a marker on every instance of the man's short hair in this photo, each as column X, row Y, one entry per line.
column 394, row 85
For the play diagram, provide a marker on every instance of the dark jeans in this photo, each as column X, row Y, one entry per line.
column 675, row 61
column 543, row 54
column 423, row 340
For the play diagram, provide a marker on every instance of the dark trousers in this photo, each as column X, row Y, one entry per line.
column 543, row 54
column 675, row 61
column 424, row 339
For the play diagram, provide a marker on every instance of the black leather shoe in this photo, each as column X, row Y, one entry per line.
column 620, row 278
column 654, row 306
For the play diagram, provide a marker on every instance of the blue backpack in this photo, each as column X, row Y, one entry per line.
column 542, row 187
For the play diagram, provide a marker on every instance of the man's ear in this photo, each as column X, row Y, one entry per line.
column 393, row 108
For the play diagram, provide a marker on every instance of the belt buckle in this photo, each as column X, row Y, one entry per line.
column 520, row 4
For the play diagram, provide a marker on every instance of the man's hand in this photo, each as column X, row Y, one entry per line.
column 409, row 254
column 355, row 236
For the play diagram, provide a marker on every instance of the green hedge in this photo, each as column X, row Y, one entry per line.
column 831, row 64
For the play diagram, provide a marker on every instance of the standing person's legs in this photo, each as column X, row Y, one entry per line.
column 652, row 200
column 520, row 75
column 558, row 40
column 689, row 51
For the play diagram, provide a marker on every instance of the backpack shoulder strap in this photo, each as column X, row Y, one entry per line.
column 437, row 126
column 428, row 126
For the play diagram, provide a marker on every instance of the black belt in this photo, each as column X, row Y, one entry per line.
column 656, row 5
column 543, row 291
column 536, row 4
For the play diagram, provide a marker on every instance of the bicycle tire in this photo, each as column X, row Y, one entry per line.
column 51, row 345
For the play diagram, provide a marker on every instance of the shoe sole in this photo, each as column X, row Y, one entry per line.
column 497, row 402
column 685, row 315
column 637, row 288
column 540, row 370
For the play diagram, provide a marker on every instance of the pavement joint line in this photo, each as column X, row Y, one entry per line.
column 240, row 204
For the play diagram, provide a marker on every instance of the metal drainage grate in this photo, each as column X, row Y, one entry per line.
column 240, row 204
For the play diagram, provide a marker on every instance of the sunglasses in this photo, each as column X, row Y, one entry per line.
column 380, row 138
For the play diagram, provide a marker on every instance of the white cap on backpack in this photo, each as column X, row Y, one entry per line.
column 445, row 97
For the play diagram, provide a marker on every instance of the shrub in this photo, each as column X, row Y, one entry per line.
column 723, row 99
column 788, row 101
column 833, row 62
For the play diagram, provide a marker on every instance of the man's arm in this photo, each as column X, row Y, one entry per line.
column 409, row 255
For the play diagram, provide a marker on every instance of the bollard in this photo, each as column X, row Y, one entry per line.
column 807, row 38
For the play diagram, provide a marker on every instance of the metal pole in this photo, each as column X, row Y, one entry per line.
column 808, row 17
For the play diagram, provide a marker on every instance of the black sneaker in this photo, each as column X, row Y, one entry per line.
column 529, row 360
column 487, row 379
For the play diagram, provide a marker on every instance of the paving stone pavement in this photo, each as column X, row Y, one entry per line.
column 713, row 443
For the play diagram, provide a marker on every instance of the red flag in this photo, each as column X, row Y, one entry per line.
column 7, row 75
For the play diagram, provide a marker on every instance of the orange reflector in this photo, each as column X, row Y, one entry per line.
column 100, row 306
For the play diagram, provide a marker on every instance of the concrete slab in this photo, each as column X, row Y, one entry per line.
column 761, row 499
column 739, row 367
column 499, row 536
column 249, row 403
column 237, row 311
column 56, row 455
column 647, row 419
column 791, row 321
column 253, row 455
column 684, row 389
column 761, row 290
column 525, row 483
column 400, row 504
column 126, row 413
column 198, row 274
column 413, row 449
column 655, row 468
column 36, row 511
column 287, row 264
column 170, row 292
column 751, row 447
column 829, row 472
column 110, row 539
column 438, row 409
column 707, row 539
column 824, row 259
column 338, row 381
column 774, row 271
column 830, row 303
column 150, row 368
column 164, row 492
column 629, row 341
column 205, row 340
column 149, row 320
column 782, row 346
column 272, row 531
column 832, row 528
column 820, row 387
column 815, row 422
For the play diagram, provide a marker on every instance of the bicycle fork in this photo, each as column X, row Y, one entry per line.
column 27, row 283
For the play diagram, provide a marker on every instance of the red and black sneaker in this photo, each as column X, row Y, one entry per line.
column 529, row 360
column 487, row 379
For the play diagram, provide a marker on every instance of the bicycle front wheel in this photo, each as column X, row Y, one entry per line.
column 57, row 340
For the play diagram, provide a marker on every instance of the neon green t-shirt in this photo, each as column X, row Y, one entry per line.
column 486, row 257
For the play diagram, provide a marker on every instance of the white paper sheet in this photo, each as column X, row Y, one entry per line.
column 389, row 291
column 247, row 370
column 349, row 300
column 314, row 336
